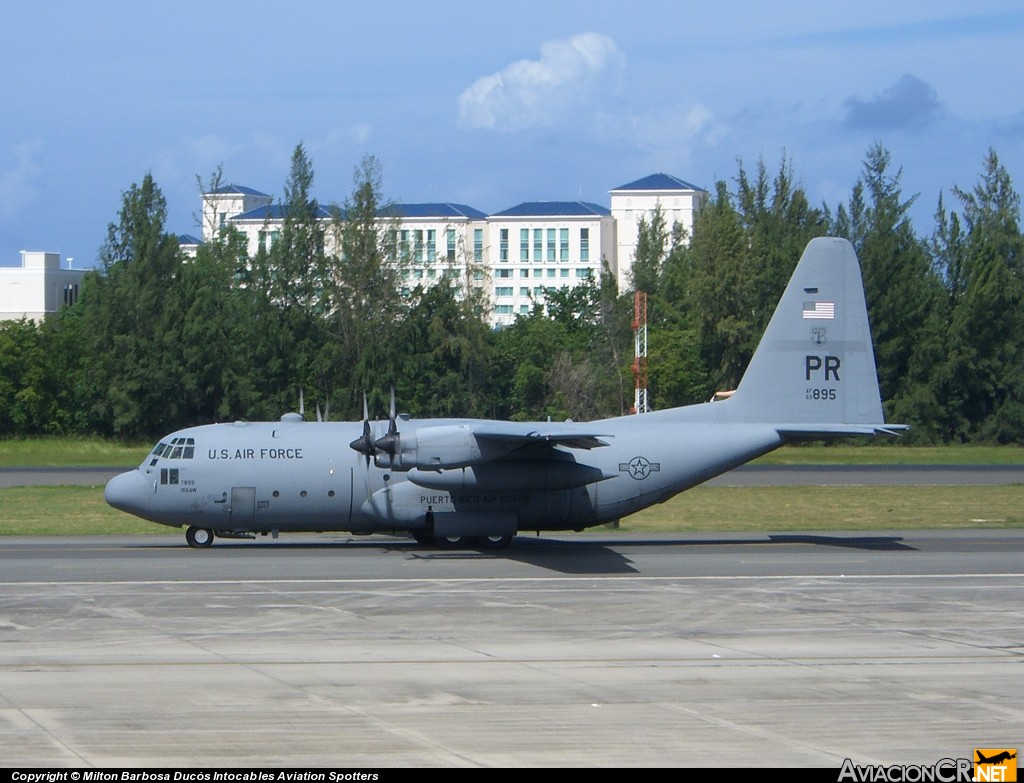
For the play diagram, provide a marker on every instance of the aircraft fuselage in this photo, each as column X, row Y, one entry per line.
column 295, row 476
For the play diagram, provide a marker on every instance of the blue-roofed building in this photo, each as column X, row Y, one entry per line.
column 189, row 244
column 545, row 244
column 439, row 240
column 678, row 199
column 434, row 210
column 226, row 202
column 514, row 255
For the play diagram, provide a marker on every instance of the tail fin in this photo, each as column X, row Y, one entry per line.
column 814, row 371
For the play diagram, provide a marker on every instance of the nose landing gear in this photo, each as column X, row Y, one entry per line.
column 199, row 537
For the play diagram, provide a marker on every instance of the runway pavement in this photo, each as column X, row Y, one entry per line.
column 612, row 650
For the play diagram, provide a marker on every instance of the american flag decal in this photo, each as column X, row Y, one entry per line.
column 820, row 310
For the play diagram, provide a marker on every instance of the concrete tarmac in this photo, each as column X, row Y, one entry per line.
column 596, row 650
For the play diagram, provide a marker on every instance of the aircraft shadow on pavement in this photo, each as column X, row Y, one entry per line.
column 576, row 556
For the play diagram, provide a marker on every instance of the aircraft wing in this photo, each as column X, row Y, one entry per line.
column 509, row 432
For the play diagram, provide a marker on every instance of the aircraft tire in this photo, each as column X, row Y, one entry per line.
column 495, row 542
column 199, row 537
column 452, row 542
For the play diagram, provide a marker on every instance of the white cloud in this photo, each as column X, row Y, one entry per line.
column 541, row 93
column 358, row 134
column 909, row 103
column 18, row 184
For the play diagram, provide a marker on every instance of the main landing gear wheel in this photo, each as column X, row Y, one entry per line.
column 495, row 542
column 199, row 537
column 452, row 542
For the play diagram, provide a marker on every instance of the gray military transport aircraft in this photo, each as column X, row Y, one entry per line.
column 459, row 482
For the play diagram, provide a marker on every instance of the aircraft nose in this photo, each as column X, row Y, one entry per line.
column 129, row 492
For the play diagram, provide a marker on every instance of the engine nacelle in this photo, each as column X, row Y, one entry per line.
column 434, row 448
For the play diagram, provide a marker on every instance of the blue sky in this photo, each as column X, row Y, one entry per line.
column 489, row 104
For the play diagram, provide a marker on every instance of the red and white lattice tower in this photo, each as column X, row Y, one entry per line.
column 640, row 353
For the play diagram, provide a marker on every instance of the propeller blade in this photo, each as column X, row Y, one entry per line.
column 364, row 443
column 390, row 443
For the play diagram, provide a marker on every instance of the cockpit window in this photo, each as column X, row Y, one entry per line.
column 178, row 448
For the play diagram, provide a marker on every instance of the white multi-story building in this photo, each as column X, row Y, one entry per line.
column 545, row 244
column 514, row 255
column 636, row 201
column 440, row 240
column 37, row 288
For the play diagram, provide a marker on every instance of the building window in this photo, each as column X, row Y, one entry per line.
column 431, row 246
column 503, row 273
column 524, row 291
column 478, row 244
column 584, row 244
column 417, row 248
column 524, row 244
column 524, row 272
column 262, row 240
column 503, row 248
column 551, row 273
column 563, row 272
column 551, row 244
column 403, row 244
column 450, row 238
column 503, row 309
column 563, row 245
column 70, row 294
column 538, row 244
column 583, row 274
column 503, row 290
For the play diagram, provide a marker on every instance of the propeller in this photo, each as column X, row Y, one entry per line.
column 364, row 444
column 390, row 443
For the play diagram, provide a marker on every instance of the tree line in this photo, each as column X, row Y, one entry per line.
column 158, row 340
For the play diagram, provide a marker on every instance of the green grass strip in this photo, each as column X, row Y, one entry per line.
column 46, row 511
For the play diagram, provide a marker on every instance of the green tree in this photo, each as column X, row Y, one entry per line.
column 652, row 245
column 779, row 222
column 224, row 355
column 133, row 321
column 901, row 289
column 987, row 320
column 721, row 290
column 445, row 339
column 367, row 308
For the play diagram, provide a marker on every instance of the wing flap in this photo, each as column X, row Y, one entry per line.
column 525, row 434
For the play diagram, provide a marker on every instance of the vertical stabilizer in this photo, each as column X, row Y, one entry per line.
column 815, row 364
